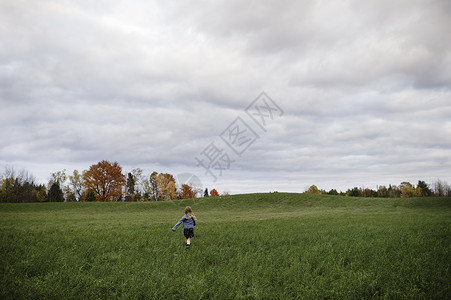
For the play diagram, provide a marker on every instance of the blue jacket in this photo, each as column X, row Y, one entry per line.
column 187, row 223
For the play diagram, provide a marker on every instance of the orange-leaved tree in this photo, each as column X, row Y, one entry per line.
column 106, row 180
column 214, row 192
column 186, row 192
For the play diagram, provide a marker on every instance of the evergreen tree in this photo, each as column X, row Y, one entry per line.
column 333, row 192
column 130, row 184
column 355, row 192
column 424, row 188
column 55, row 193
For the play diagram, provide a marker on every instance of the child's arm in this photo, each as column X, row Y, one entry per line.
column 178, row 223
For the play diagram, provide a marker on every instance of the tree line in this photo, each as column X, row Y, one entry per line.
column 105, row 182
column 102, row 182
column 438, row 188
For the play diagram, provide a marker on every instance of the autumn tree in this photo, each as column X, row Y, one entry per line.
column 166, row 187
column 313, row 190
column 393, row 191
column 186, row 192
column 10, row 190
column 105, row 179
column 382, row 192
column 366, row 192
column 406, row 189
column 214, row 193
column 16, row 186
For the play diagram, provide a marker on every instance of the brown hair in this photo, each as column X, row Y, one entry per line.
column 189, row 212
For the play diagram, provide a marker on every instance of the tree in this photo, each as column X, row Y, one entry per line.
column 58, row 177
column 186, row 192
column 136, row 185
column 394, row 191
column 418, row 192
column 9, row 190
column 69, row 196
column 382, row 192
column 426, row 191
column 166, row 187
column 366, row 192
column 313, row 189
column 130, row 187
column 214, row 193
column 55, row 193
column 151, row 187
column 106, row 180
column 139, row 180
column 441, row 188
column 206, row 192
column 355, row 192
column 406, row 189
column 39, row 194
column 16, row 186
column 333, row 192
column 88, row 196
column 76, row 184
column 405, row 192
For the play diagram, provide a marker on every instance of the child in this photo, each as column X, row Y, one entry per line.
column 189, row 221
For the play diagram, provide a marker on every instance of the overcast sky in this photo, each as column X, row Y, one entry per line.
column 358, row 93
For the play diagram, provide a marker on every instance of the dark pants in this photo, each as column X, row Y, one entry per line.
column 188, row 232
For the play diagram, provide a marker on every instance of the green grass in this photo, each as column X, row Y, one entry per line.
column 255, row 246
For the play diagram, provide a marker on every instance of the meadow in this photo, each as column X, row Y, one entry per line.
column 254, row 246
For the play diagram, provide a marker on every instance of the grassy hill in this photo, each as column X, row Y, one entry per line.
column 255, row 246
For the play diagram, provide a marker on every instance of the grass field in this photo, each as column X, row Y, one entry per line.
column 255, row 246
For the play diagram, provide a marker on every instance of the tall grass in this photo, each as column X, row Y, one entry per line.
column 256, row 246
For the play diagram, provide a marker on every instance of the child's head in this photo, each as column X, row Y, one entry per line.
column 189, row 212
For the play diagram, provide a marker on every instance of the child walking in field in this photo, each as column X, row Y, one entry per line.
column 189, row 221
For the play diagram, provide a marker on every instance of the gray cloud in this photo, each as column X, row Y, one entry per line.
column 365, row 87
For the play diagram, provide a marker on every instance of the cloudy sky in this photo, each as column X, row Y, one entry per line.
column 358, row 93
